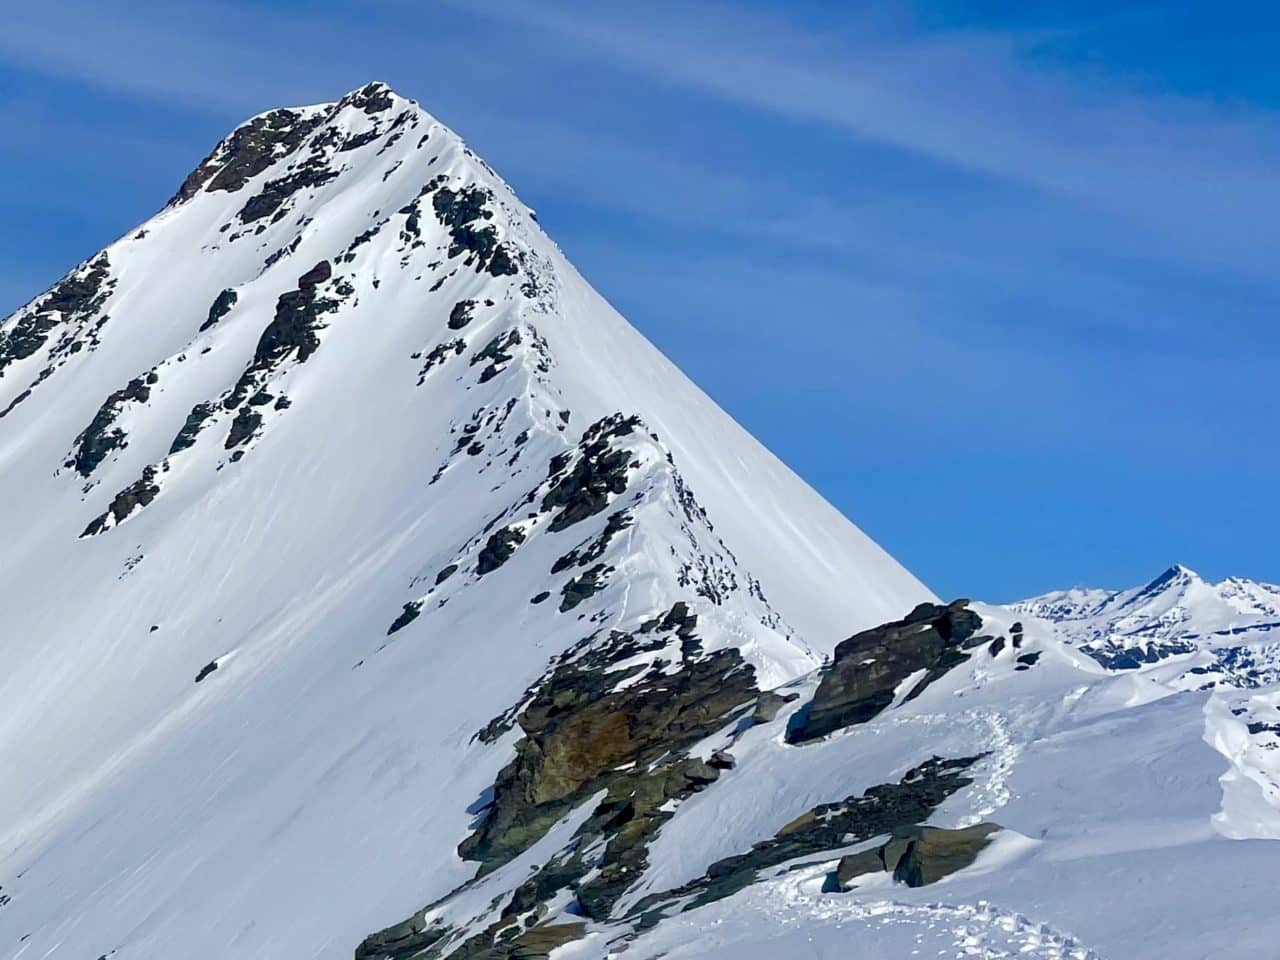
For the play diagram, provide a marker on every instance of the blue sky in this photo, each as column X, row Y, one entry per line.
column 999, row 279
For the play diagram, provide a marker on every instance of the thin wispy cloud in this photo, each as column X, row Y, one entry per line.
column 980, row 101
column 1196, row 178
column 202, row 55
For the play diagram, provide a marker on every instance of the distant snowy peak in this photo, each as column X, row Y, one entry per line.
column 1178, row 614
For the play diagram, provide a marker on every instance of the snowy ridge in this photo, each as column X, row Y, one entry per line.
column 1181, row 632
column 370, row 587
column 1177, row 613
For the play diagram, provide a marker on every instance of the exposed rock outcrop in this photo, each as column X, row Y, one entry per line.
column 186, row 437
column 584, row 734
column 464, row 212
column 96, row 441
column 67, row 320
column 498, row 549
column 249, row 151
column 916, row 855
column 220, row 307
column 133, row 497
column 868, row 667
column 292, row 332
column 599, row 471
column 611, row 715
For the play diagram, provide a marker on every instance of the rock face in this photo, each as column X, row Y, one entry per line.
column 583, row 733
column 868, row 667
column 916, row 856
column 600, row 470
column 133, row 497
column 102, row 436
column 293, row 328
column 499, row 549
column 929, row 853
column 186, row 437
column 503, row 941
column 619, row 716
column 221, row 306
column 249, row 151
column 207, row 669
column 64, row 322
column 616, row 716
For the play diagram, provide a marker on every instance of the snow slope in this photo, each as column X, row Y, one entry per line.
column 364, row 571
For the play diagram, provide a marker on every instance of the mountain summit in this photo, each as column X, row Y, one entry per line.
column 315, row 252
column 371, row 587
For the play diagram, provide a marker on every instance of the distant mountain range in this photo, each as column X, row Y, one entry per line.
column 1229, row 627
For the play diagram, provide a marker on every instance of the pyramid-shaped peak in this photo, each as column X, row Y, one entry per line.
column 413, row 225
column 1174, row 577
column 1178, row 573
column 374, row 87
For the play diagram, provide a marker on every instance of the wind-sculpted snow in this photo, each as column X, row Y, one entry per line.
column 792, row 917
column 358, row 556
column 1180, row 632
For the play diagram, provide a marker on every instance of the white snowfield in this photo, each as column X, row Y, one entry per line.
column 254, row 488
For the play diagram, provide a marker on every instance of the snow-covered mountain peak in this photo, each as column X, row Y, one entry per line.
column 336, row 431
column 268, row 137
column 354, row 223
column 1176, row 614
column 371, row 587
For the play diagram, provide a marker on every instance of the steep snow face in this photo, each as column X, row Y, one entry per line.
column 303, row 483
column 411, row 226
